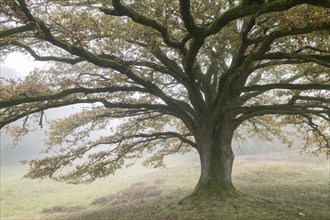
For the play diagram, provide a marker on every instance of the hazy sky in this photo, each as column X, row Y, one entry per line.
column 18, row 64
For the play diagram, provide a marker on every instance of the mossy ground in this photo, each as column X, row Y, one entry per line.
column 246, row 207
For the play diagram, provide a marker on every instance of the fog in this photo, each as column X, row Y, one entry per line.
column 30, row 146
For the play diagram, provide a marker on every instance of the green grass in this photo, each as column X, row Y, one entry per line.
column 278, row 185
column 24, row 197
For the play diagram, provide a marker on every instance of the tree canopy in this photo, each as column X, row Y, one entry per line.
column 164, row 77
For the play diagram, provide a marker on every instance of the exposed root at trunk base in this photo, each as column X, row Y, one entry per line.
column 202, row 195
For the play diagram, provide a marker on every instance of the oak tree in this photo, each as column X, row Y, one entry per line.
column 164, row 77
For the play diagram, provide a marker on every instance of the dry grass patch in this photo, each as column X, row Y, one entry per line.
column 137, row 191
column 60, row 208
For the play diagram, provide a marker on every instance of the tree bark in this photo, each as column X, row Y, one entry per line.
column 216, row 159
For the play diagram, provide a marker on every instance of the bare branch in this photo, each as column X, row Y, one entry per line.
column 323, row 60
column 21, row 29
column 245, row 113
column 188, row 19
column 285, row 86
column 64, row 93
column 121, row 9
column 42, row 58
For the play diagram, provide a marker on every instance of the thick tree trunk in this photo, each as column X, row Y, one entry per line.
column 216, row 157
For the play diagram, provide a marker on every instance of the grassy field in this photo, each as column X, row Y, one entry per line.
column 283, row 185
